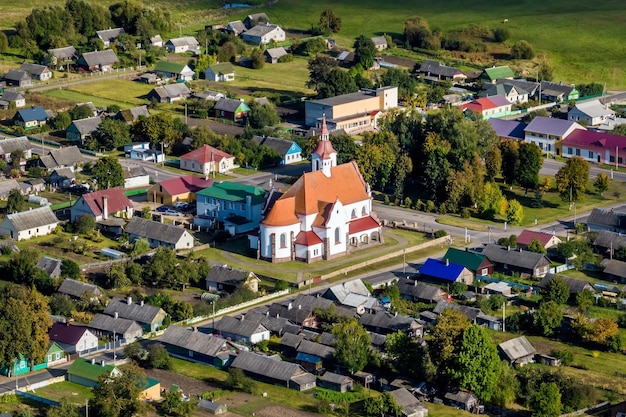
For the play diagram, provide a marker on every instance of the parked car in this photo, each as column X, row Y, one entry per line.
column 162, row 209
column 173, row 213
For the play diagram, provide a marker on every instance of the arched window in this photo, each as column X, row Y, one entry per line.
column 354, row 213
column 337, row 233
column 283, row 240
column 363, row 212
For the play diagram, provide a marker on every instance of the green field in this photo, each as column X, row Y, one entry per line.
column 123, row 93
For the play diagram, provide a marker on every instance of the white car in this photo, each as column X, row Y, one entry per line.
column 173, row 213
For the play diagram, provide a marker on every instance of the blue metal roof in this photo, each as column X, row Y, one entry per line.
column 308, row 358
column 33, row 113
column 438, row 269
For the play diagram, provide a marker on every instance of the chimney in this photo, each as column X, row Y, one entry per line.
column 508, row 248
column 105, row 207
column 243, row 317
column 447, row 262
column 520, row 249
column 267, row 313
column 415, row 283
column 277, row 315
column 129, row 300
column 195, row 329
column 141, row 303
column 115, row 315
column 289, row 306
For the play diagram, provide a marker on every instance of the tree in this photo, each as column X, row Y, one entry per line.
column 493, row 163
column 407, row 355
column 258, row 59
column 22, row 268
column 418, row 34
column 339, row 82
column 174, row 405
column 501, row 34
column 61, row 305
column 85, row 224
column 108, row 173
column 4, row 42
column 446, row 337
column 329, row 22
column 112, row 133
column 546, row 401
column 381, row 406
column 163, row 270
column 506, row 391
column 319, row 70
column 120, row 395
column 24, row 323
column 262, row 115
column 530, row 161
column 158, row 357
column 584, row 300
column 602, row 183
column 572, row 178
column 227, row 52
column 116, row 276
column 65, row 409
column 81, row 112
column 237, row 380
column 557, row 291
column 510, row 160
column 69, row 269
column 353, row 345
column 15, row 201
column 477, row 364
column 364, row 51
column 548, row 318
column 16, row 158
column 514, row 212
column 491, row 201
column 140, row 246
column 536, row 246
column 522, row 50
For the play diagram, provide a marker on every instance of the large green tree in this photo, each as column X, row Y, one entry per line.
column 120, row 395
column 509, row 150
column 515, row 212
column 262, row 115
column 477, row 364
column 408, row 356
column 364, row 51
column 530, row 161
column 353, row 345
column 329, row 22
column 446, row 336
column 66, row 408
column 556, row 290
column 572, row 179
column 15, row 201
column 548, row 318
column 111, row 134
column 602, row 183
column 108, row 173
column 546, row 401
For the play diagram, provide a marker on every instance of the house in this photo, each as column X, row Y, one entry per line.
column 353, row 294
column 82, row 129
column 78, row 289
column 436, row 71
column 54, row 356
column 335, row 382
column 8, row 97
column 254, row 19
column 323, row 215
column 159, row 234
column 73, row 339
column 51, row 266
column 150, row 318
column 18, row 78
column 497, row 73
column 141, row 151
column 445, row 272
column 509, row 91
column 241, row 330
column 212, row 407
column 508, row 129
column 300, row 310
column 274, row 371
column 20, row 367
column 548, row 132
column 614, row 269
column 102, row 204
column 225, row 279
column 97, row 61
column 409, row 405
column 108, row 36
column 174, row 71
column 531, row 87
column 353, row 112
column 26, row 224
column 590, row 113
column 263, row 33
column 62, row 178
column 289, row 343
column 170, row 93
column 346, row 58
column 196, row 346
column 220, row 72
column 150, row 78
column 418, row 291
column 231, row 109
column 207, row 160
column 606, row 219
column 31, row 118
column 380, row 43
column 177, row 189
column 156, row 41
column 517, row 351
column 477, row 263
column 462, row 400
column 86, row 372
column 313, row 356
column 575, row 285
column 115, row 328
column 19, row 144
column 136, row 176
column 273, row 55
column 517, row 261
column 209, row 95
column 594, row 146
column 36, row 71
column 558, row 92
column 132, row 115
column 66, row 157
column 7, row 185
column 488, row 107
column 184, row 44
column 235, row 27
column 609, row 241
column 289, row 150
column 546, row 240
column 63, row 55
column 385, row 323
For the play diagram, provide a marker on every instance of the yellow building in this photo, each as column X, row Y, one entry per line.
column 177, row 189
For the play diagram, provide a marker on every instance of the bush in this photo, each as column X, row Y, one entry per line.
column 440, row 233
column 565, row 356
column 465, row 213
column 501, row 34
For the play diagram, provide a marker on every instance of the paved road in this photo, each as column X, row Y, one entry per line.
column 9, row 384
column 551, row 166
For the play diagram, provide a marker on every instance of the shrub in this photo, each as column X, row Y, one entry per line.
column 465, row 213
column 501, row 34
column 440, row 233
column 565, row 356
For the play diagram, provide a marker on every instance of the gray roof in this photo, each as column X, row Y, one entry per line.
column 241, row 327
column 227, row 104
column 516, row 348
column 502, row 89
column 269, row 367
column 404, row 398
column 593, row 108
column 7, row 185
column 262, row 17
column 227, row 275
column 110, row 324
column 530, row 86
column 34, row 68
column 140, row 313
column 237, row 26
column 132, row 114
column 154, row 230
column 69, row 52
column 276, row 52
column 607, row 239
column 575, row 285
column 437, row 68
column 50, row 265
column 185, row 40
column 291, row 340
column 8, row 145
column 10, row 95
column 387, row 321
column 334, row 378
column 172, row 90
column 63, row 173
column 607, row 217
column 273, row 324
column 260, row 30
column 302, row 307
column 550, row 126
column 549, row 86
column 109, row 35
column 418, row 289
column 105, row 57
column 614, row 267
column 30, row 219
column 88, row 125
column 460, row 396
column 472, row 313
column 316, row 349
column 62, row 157
column 519, row 258
column 340, row 292
column 379, row 40
column 16, row 75
column 76, row 288
column 195, row 341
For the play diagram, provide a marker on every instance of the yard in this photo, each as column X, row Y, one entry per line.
column 124, row 93
column 78, row 394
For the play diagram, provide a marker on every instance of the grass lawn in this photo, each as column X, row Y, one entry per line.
column 77, row 97
column 287, row 78
column 77, row 393
column 125, row 93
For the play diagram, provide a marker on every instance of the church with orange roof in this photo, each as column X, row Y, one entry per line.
column 325, row 214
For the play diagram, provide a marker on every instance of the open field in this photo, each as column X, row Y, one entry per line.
column 124, row 93
column 75, row 392
column 285, row 78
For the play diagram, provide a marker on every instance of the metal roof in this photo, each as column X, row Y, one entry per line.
column 155, row 230
column 192, row 340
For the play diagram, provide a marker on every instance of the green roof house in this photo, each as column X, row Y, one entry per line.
column 173, row 70
column 237, row 206
column 86, row 372
column 497, row 73
column 475, row 262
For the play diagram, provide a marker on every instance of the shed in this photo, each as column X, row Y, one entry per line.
column 212, row 407
column 517, row 351
column 336, row 382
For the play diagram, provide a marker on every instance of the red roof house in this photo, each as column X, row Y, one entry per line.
column 207, row 160
column 494, row 106
column 592, row 146
column 547, row 240
column 103, row 204
column 72, row 338
column 178, row 189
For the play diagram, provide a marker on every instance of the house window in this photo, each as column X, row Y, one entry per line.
column 58, row 355
column 577, row 152
column 484, row 271
column 611, row 158
column 243, row 207
column 337, row 235
column 49, row 358
column 590, row 154
column 570, row 151
column 363, row 212
column 283, row 240
column 316, row 252
column 353, row 213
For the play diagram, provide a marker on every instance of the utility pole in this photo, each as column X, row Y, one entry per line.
column 404, row 262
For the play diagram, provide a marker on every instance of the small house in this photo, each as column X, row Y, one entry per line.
column 220, row 72
column 159, row 234
column 546, row 240
column 207, row 160
column 156, row 41
column 475, row 262
column 108, row 36
column 31, row 118
column 184, row 44
column 559, row 92
column 209, row 95
column 418, row 291
column 591, row 113
column 408, row 403
column 54, row 356
column 212, row 407
column 497, row 73
column 274, row 371
column 170, row 93
column 385, row 323
column 18, row 78
column 445, row 272
column 63, row 55
column 62, row 178
column 174, row 71
column 273, row 55
column 86, row 372
column 115, row 328
column 51, row 266
column 133, row 114
column 101, row 205
column 226, row 279
column 254, row 19
column 26, row 224
column 149, row 317
column 614, row 269
column 335, row 382
column 235, row 28
column 231, row 109
column 177, row 189
column 195, row 346
column 98, row 61
column 7, row 97
column 82, row 129
column 73, row 339
column 606, row 219
column 380, row 43
column 79, row 289
column 242, row 330
column 520, row 261
column 517, row 351
column 136, row 176
column 20, row 367
column 36, row 71
column 66, row 157
column 10, row 145
column 289, row 150
column 264, row 33
column 511, row 92
column 462, row 400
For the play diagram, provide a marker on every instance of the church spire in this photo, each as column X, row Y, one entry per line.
column 324, row 156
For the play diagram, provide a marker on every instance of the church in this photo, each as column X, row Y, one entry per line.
column 324, row 215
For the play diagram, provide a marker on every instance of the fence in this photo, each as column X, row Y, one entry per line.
column 36, row 398
column 585, row 411
column 44, row 383
column 523, row 287
column 107, row 346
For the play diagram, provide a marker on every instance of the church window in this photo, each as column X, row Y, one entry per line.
column 283, row 240
column 337, row 233
column 354, row 213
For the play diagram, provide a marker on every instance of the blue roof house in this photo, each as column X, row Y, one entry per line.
column 445, row 272
column 31, row 118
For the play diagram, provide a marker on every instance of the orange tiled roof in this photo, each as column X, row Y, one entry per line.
column 282, row 213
